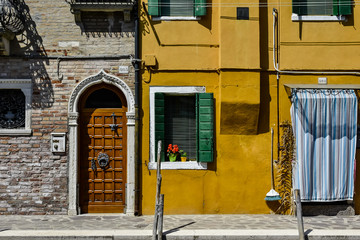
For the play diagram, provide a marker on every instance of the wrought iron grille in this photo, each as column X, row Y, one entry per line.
column 10, row 18
column 12, row 108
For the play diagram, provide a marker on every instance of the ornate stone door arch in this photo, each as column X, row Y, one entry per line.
column 73, row 115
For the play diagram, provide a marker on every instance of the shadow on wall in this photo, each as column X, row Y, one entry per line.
column 29, row 44
column 106, row 24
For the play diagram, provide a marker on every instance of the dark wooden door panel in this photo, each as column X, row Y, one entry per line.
column 103, row 136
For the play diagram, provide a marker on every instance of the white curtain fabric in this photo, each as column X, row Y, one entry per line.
column 324, row 125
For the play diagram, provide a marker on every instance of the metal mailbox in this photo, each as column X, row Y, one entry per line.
column 58, row 142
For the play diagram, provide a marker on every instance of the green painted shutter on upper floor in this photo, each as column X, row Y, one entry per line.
column 200, row 7
column 160, row 124
column 153, row 7
column 205, row 126
column 343, row 7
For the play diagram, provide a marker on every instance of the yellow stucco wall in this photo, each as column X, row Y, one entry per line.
column 233, row 59
column 319, row 45
column 228, row 186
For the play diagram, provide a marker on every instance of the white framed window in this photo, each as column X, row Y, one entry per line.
column 185, row 118
column 182, row 10
column 321, row 10
column 15, row 106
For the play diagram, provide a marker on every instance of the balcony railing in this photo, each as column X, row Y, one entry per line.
column 96, row 1
column 102, row 4
column 78, row 6
column 10, row 17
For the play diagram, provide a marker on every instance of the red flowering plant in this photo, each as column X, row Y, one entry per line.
column 172, row 152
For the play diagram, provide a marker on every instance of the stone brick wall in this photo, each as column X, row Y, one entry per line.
column 33, row 180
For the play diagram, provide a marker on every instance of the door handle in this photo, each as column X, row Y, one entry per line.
column 93, row 165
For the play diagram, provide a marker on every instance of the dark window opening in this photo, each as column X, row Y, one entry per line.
column 12, row 108
column 180, row 124
column 103, row 98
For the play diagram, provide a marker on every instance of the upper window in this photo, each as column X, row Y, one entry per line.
column 321, row 10
column 181, row 116
column 15, row 107
column 177, row 9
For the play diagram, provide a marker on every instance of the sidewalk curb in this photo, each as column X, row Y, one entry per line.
column 204, row 234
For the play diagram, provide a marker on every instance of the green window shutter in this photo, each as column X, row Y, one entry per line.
column 200, row 7
column 295, row 6
column 205, row 126
column 335, row 7
column 153, row 7
column 160, row 123
column 344, row 7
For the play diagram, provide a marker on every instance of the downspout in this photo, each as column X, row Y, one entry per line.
column 276, row 66
column 137, row 62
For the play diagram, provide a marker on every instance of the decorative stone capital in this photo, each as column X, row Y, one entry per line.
column 73, row 118
column 130, row 118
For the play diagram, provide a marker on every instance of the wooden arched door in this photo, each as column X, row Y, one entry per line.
column 102, row 143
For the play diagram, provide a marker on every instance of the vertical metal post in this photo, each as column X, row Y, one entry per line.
column 299, row 214
column 160, row 218
column 159, row 200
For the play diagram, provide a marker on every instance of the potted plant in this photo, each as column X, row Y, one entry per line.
column 172, row 152
column 183, row 155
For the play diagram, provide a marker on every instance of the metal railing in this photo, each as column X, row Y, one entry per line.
column 10, row 17
column 98, row 2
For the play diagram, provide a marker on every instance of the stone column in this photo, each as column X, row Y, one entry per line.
column 73, row 196
column 130, row 190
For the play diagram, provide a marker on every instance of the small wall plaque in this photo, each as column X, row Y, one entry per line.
column 124, row 69
column 322, row 80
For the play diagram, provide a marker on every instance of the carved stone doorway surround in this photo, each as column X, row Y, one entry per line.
column 73, row 114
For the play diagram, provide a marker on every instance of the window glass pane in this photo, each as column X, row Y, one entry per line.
column 180, row 123
column 12, row 108
column 177, row 8
column 103, row 98
column 316, row 7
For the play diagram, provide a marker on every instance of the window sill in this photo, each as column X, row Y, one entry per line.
column 15, row 132
column 179, row 165
column 164, row 18
column 303, row 18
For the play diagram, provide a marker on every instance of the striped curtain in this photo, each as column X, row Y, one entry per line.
column 324, row 125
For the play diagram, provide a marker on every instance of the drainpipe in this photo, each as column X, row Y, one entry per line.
column 137, row 63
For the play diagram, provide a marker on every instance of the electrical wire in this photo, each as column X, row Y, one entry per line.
column 252, row 4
